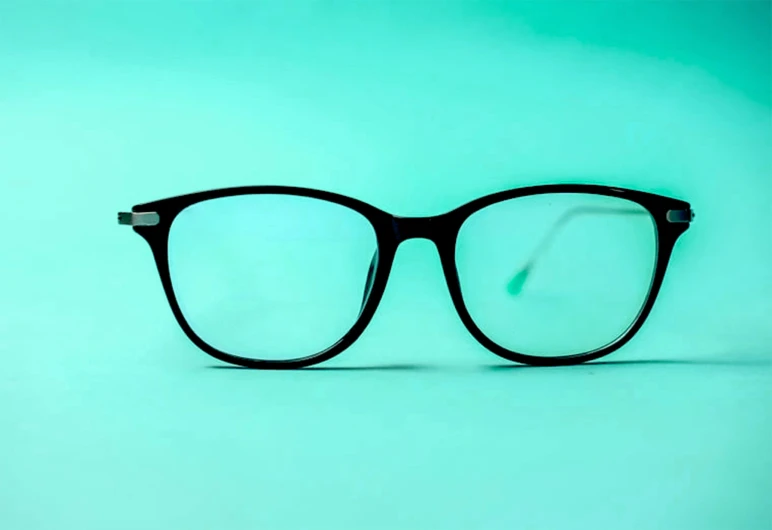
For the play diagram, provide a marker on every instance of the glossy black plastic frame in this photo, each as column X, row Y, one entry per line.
column 153, row 221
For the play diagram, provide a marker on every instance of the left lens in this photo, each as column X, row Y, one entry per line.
column 270, row 277
column 556, row 274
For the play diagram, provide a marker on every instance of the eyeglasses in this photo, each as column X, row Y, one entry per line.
column 287, row 277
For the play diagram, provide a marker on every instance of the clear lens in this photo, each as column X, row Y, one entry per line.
column 557, row 274
column 270, row 277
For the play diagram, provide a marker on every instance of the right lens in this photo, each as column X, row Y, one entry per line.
column 270, row 277
column 556, row 274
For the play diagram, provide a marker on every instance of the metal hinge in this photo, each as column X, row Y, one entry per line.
column 138, row 218
column 680, row 216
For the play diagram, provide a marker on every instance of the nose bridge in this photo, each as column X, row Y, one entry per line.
column 414, row 228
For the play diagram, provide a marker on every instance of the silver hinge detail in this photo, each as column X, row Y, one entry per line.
column 680, row 216
column 138, row 218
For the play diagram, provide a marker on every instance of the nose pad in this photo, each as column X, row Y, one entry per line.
column 369, row 281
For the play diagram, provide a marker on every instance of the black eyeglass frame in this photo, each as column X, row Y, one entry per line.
column 153, row 221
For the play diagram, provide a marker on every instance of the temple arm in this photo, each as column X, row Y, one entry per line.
column 369, row 281
column 516, row 284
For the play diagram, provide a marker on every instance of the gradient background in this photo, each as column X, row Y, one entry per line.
column 111, row 419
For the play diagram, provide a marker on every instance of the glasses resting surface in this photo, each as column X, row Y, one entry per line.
column 286, row 277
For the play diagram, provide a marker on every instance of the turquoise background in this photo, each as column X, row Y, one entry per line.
column 111, row 419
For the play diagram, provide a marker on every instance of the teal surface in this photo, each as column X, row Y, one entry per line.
column 111, row 419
